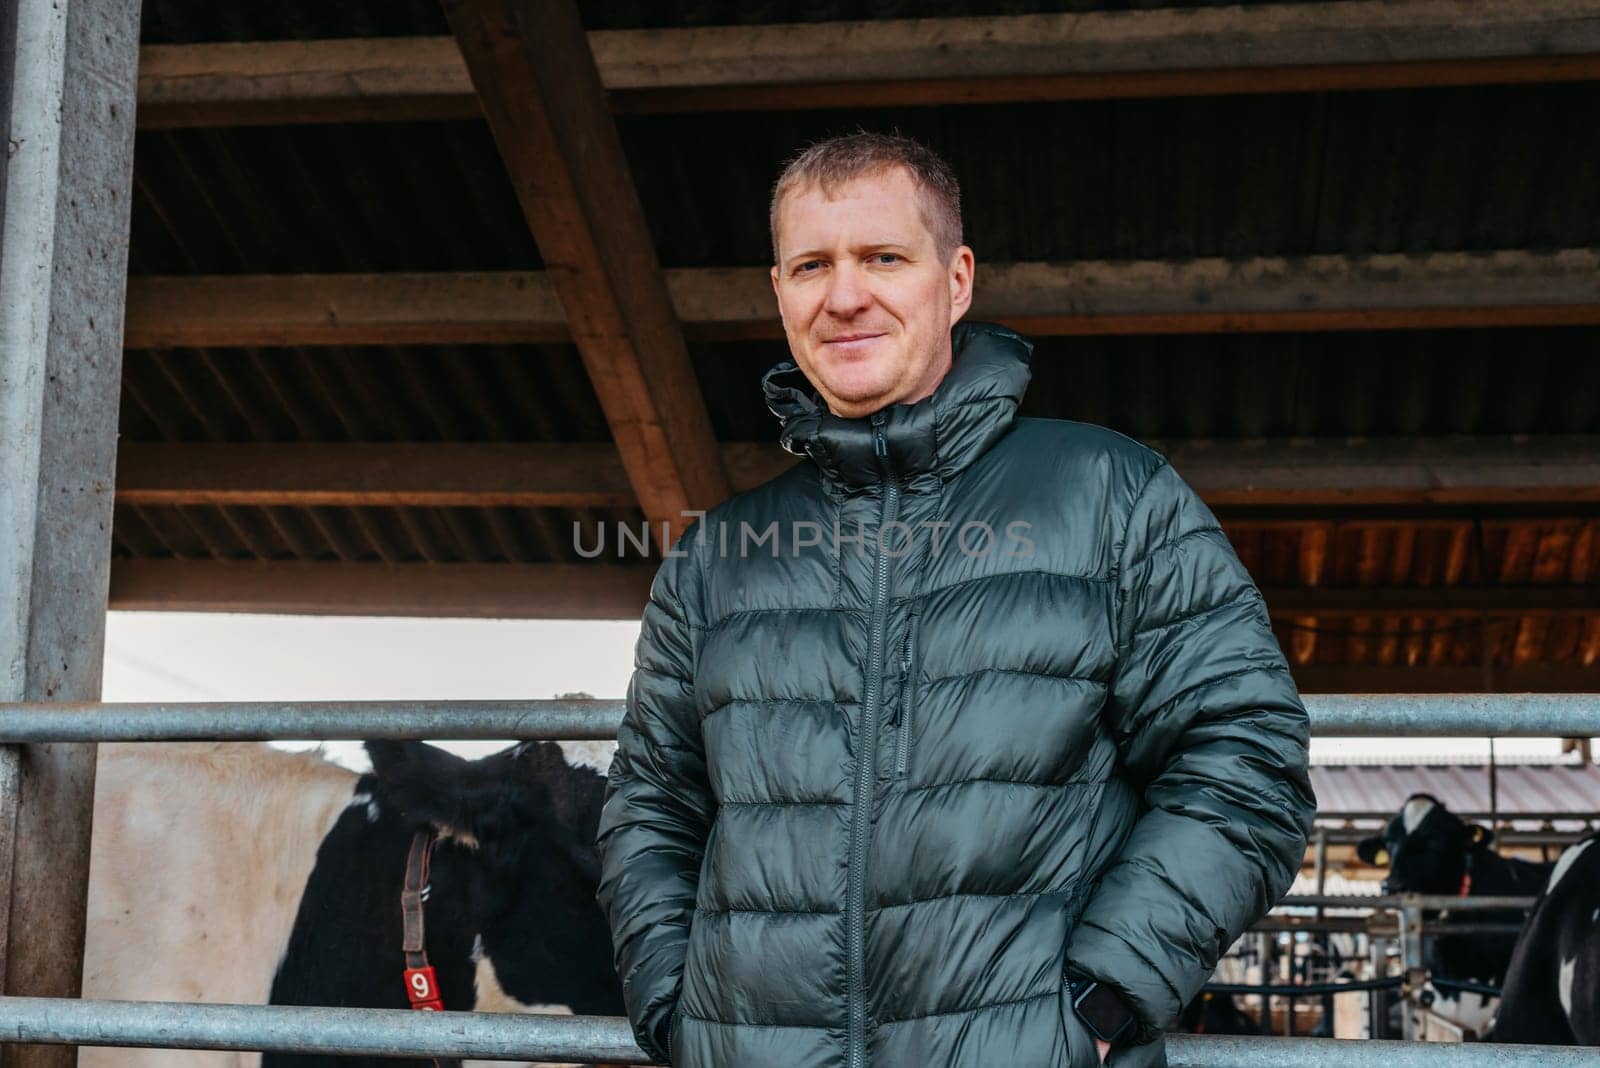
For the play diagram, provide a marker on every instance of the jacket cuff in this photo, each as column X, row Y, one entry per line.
column 1149, row 1021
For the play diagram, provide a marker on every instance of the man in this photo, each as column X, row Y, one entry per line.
column 966, row 742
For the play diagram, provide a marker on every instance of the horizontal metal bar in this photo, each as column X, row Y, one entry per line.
column 339, row 1032
column 1339, row 715
column 1466, row 985
column 1399, row 901
column 256, row 721
column 1505, row 715
column 599, row 1039
column 1306, row 990
column 1370, row 925
column 1218, row 1051
column 1502, row 839
column 1517, row 815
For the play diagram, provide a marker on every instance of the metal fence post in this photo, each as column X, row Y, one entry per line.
column 1378, row 955
column 70, row 70
column 1410, row 921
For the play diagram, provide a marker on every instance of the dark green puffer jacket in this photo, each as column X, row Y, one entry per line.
column 868, row 804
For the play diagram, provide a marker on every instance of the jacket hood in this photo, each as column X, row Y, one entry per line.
column 941, row 434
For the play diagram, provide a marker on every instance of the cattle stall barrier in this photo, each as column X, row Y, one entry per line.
column 1408, row 931
column 591, row 1040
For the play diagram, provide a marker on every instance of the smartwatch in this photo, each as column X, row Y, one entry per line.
column 1101, row 1009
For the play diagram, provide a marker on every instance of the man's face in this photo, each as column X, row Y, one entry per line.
column 867, row 302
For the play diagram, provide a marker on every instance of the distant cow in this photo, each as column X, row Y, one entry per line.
column 240, row 873
column 1552, row 990
column 1215, row 1014
column 1430, row 850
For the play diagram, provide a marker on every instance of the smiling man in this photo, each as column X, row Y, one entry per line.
column 982, row 752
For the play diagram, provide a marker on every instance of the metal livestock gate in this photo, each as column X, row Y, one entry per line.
column 603, row 1040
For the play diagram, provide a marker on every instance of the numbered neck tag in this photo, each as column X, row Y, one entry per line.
column 423, row 990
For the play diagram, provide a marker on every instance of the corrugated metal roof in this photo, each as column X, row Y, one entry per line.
column 1405, row 171
column 1520, row 788
column 1361, row 172
column 367, row 535
column 438, row 393
column 1291, row 174
column 315, row 199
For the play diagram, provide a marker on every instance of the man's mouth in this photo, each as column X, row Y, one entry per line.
column 852, row 341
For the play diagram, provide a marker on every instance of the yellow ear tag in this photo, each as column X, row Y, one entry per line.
column 1382, row 859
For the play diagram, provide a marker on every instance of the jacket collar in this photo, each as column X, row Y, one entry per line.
column 941, row 434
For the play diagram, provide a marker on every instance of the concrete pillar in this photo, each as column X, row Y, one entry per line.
column 68, row 71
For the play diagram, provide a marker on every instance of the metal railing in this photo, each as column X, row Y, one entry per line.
column 1332, row 716
column 592, row 1039
column 579, row 1039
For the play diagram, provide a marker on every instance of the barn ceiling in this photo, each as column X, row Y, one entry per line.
column 351, row 387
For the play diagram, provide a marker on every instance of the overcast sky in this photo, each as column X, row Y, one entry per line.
column 170, row 656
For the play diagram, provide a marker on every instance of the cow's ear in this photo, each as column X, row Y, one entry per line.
column 424, row 782
column 1479, row 835
column 1373, row 850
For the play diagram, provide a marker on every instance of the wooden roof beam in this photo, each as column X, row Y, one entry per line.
column 1383, row 292
column 1349, row 44
column 531, row 65
column 480, row 591
column 618, row 591
column 1557, row 471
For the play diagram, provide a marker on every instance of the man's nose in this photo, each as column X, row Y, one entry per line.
column 848, row 293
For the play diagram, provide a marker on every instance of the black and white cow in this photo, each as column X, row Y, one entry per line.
column 1552, row 989
column 1431, row 850
column 241, row 873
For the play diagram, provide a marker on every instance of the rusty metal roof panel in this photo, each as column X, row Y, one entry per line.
column 469, row 393
column 1520, row 788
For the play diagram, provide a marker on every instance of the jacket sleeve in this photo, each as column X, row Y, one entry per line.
column 1209, row 727
column 658, row 808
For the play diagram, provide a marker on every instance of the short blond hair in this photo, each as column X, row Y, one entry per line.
column 831, row 163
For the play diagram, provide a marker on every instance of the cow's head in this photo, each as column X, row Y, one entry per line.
column 1425, row 847
column 516, row 834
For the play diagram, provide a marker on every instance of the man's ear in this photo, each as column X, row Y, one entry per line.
column 962, row 268
column 1373, row 851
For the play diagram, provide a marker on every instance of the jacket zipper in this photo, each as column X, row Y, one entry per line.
column 866, row 759
column 908, row 694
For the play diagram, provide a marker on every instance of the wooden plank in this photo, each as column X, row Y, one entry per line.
column 541, row 93
column 1387, row 292
column 1384, row 292
column 618, row 591
column 407, row 475
column 349, row 79
column 1557, row 471
column 1352, row 44
column 357, row 309
column 495, row 591
column 68, row 106
column 1469, row 678
column 1325, row 602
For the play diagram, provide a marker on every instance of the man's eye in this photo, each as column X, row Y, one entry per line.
column 887, row 257
column 807, row 267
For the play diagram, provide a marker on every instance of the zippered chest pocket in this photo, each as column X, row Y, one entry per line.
column 910, row 667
